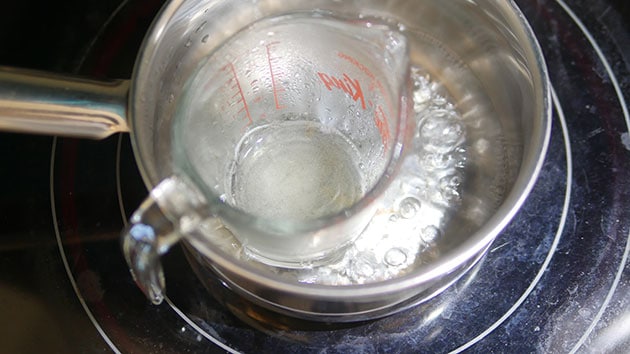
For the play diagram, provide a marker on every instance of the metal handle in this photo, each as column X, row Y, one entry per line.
column 52, row 104
column 173, row 209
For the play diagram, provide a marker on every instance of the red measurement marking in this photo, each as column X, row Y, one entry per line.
column 374, row 83
column 239, row 93
column 353, row 88
column 274, row 76
column 356, row 63
column 380, row 119
column 350, row 86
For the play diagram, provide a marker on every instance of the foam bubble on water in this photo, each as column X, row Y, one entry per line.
column 395, row 257
column 437, row 161
column 430, row 234
column 362, row 267
column 409, row 207
column 450, row 187
column 441, row 132
column 440, row 100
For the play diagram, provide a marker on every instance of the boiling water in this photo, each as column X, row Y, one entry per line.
column 295, row 170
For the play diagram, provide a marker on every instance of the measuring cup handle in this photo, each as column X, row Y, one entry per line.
column 53, row 104
column 168, row 213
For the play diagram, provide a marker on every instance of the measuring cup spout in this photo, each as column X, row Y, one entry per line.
column 394, row 48
column 170, row 211
column 53, row 104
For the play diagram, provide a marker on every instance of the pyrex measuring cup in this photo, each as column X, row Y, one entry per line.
column 286, row 140
column 488, row 39
column 288, row 125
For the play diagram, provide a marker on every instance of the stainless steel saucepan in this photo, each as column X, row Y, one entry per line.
column 481, row 54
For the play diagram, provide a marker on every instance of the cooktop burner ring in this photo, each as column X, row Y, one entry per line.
column 552, row 247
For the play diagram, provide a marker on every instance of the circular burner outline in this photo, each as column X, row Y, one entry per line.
column 556, row 240
column 626, row 114
column 53, row 208
column 64, row 259
column 558, row 107
column 491, row 327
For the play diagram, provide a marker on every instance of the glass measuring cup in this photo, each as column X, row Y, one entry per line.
column 289, row 125
column 287, row 136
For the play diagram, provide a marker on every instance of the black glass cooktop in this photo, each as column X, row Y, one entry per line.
column 556, row 280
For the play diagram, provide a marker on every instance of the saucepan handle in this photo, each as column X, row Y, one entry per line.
column 54, row 104
column 173, row 209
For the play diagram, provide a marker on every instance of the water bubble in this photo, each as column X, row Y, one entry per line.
column 188, row 43
column 395, row 42
column 362, row 267
column 393, row 218
column 421, row 94
column 440, row 132
column 204, row 39
column 439, row 100
column 450, row 187
column 459, row 157
column 436, row 161
column 409, row 207
column 432, row 161
column 395, row 257
column 430, row 234
column 452, row 132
